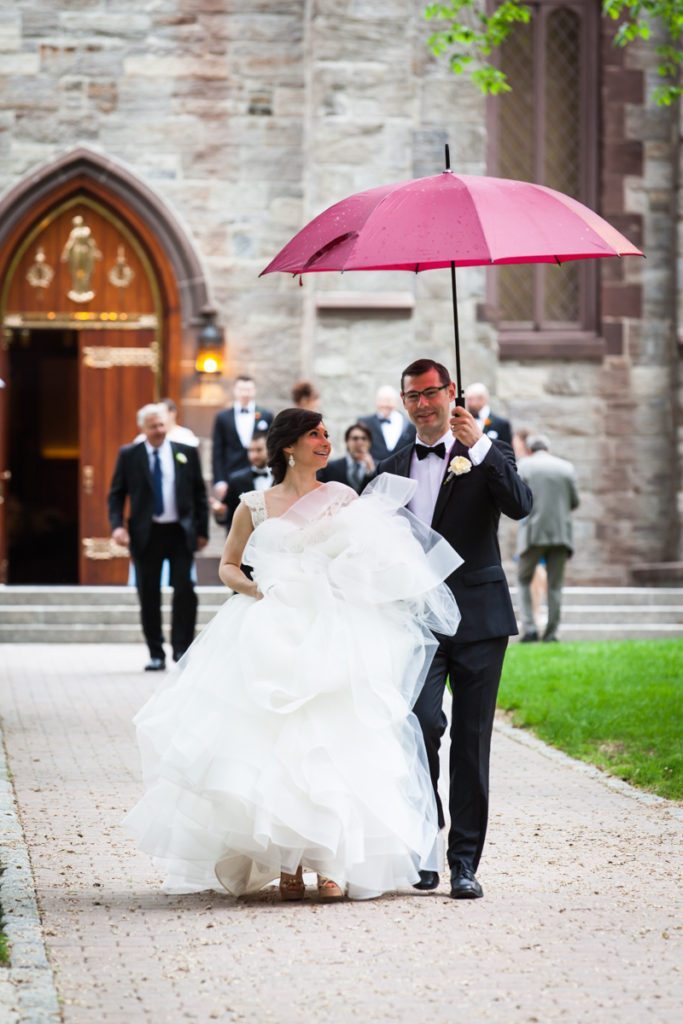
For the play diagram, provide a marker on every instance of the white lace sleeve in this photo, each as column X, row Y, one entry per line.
column 256, row 503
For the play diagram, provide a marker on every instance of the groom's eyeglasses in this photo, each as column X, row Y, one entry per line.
column 413, row 397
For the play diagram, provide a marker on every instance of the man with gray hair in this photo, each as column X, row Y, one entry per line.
column 169, row 519
column 389, row 429
column 546, row 533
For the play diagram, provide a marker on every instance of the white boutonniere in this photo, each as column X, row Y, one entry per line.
column 181, row 457
column 457, row 467
column 262, row 425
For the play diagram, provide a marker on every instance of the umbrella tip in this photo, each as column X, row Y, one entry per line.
column 447, row 156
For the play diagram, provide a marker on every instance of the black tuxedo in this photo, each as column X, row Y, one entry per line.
column 378, row 446
column 238, row 484
column 152, row 543
column 229, row 454
column 498, row 428
column 338, row 470
column 467, row 512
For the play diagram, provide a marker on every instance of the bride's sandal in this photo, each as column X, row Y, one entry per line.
column 292, row 886
column 328, row 890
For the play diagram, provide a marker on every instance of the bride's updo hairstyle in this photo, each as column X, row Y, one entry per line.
column 286, row 429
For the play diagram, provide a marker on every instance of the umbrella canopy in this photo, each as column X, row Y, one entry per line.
column 465, row 219
column 450, row 220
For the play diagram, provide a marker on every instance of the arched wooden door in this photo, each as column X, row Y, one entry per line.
column 84, row 317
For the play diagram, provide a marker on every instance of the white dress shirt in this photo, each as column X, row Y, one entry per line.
column 244, row 423
column 483, row 415
column 393, row 429
column 262, row 483
column 170, row 513
column 430, row 473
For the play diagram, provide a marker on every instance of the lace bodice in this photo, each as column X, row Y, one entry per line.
column 256, row 503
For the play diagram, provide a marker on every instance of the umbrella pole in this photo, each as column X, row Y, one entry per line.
column 459, row 396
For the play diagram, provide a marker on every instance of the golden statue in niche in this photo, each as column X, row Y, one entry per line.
column 80, row 253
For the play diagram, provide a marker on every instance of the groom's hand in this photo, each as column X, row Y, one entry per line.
column 464, row 426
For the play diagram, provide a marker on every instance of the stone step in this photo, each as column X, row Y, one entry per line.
column 111, row 614
column 629, row 614
column 128, row 613
column 128, row 634
column 25, row 614
column 622, row 596
column 89, row 596
column 651, row 631
column 75, row 633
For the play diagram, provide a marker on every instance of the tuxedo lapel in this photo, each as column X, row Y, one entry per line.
column 445, row 489
column 402, row 463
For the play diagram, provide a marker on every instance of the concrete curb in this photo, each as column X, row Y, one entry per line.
column 27, row 988
column 527, row 739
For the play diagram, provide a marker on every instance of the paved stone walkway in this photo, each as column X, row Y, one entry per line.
column 581, row 921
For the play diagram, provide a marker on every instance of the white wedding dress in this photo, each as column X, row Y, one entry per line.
column 285, row 734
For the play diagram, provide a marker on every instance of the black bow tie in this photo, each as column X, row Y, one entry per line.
column 244, row 410
column 383, row 419
column 260, row 472
column 423, row 451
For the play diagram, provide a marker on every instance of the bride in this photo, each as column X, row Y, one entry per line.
column 284, row 739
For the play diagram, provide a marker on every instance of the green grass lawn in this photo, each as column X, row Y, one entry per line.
column 618, row 705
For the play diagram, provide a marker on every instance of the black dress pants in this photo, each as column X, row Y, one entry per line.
column 166, row 541
column 474, row 670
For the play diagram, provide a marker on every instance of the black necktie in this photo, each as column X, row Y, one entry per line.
column 158, row 489
column 423, row 451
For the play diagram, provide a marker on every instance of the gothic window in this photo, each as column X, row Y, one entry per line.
column 545, row 130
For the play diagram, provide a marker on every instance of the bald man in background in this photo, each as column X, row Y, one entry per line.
column 477, row 403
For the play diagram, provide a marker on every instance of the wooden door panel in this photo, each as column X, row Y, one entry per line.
column 4, row 453
column 117, row 377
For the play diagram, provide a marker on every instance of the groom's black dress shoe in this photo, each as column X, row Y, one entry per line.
column 428, row 880
column 464, row 885
column 529, row 638
column 155, row 665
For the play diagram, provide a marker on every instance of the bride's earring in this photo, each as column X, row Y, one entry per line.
column 291, row 462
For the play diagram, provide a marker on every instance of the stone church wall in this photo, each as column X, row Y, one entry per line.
column 248, row 118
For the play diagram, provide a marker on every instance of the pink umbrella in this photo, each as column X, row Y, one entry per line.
column 450, row 220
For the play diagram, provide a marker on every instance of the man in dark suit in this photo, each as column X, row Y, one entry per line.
column 357, row 467
column 233, row 429
column 464, row 504
column 258, row 477
column 477, row 401
column 389, row 428
column 163, row 482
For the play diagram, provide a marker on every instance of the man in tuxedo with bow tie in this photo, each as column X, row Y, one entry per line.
column 233, row 429
column 163, row 483
column 477, row 402
column 258, row 477
column 389, row 429
column 464, row 505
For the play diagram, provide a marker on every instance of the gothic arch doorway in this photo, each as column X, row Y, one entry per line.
column 99, row 288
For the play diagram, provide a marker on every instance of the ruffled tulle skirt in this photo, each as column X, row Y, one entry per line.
column 285, row 735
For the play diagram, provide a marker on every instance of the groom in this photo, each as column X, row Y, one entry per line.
column 464, row 506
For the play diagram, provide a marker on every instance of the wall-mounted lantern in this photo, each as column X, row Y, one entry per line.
column 210, row 354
